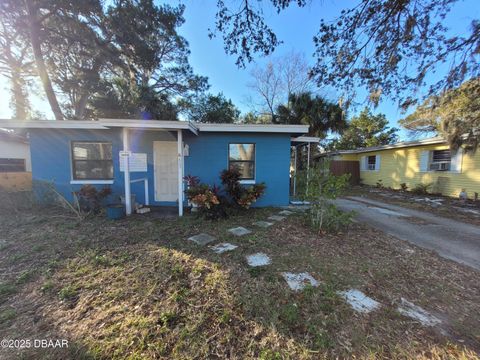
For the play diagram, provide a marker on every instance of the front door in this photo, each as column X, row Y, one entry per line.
column 165, row 164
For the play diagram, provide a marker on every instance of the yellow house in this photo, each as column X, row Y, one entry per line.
column 428, row 161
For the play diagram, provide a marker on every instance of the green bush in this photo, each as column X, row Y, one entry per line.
column 318, row 187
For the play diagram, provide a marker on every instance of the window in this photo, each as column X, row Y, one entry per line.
column 92, row 160
column 441, row 160
column 371, row 161
column 12, row 165
column 242, row 156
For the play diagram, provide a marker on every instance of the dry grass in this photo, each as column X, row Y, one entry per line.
column 137, row 289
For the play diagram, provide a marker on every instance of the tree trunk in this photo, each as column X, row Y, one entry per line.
column 34, row 28
column 18, row 95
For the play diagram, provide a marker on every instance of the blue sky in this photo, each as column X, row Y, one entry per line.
column 294, row 26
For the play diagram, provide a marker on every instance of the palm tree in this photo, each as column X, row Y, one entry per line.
column 321, row 115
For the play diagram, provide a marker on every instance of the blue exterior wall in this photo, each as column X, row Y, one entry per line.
column 208, row 156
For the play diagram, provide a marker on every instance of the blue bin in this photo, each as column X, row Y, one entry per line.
column 115, row 211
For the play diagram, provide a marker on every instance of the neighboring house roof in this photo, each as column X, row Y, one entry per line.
column 9, row 136
column 403, row 144
column 154, row 124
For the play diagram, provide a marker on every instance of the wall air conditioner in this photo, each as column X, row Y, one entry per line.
column 440, row 166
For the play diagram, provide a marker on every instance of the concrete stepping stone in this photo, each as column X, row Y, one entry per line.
column 359, row 301
column 276, row 218
column 417, row 313
column 263, row 224
column 258, row 259
column 239, row 231
column 223, row 247
column 298, row 281
column 202, row 239
column 285, row 212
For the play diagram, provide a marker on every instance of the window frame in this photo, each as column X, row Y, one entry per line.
column 432, row 161
column 374, row 163
column 76, row 180
column 254, row 161
column 20, row 162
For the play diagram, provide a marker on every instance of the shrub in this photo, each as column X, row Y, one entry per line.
column 318, row 186
column 403, row 187
column 379, row 184
column 422, row 189
column 208, row 200
column 242, row 196
column 90, row 199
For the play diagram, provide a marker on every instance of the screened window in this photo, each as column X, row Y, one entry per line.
column 441, row 156
column 242, row 156
column 371, row 161
column 92, row 160
column 12, row 165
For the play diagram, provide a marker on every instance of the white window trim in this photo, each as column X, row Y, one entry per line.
column 245, row 181
column 89, row 181
column 92, row 182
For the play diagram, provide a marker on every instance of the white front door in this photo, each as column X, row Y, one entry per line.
column 165, row 164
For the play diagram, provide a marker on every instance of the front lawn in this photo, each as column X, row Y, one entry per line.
column 136, row 288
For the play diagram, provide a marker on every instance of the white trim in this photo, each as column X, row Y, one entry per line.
column 126, row 173
column 265, row 128
column 180, row 171
column 430, row 141
column 245, row 181
column 51, row 124
column 305, row 139
column 154, row 124
column 93, row 182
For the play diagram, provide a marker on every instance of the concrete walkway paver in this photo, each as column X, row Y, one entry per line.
column 258, row 259
column 239, row 231
column 263, row 224
column 417, row 313
column 223, row 247
column 359, row 301
column 202, row 239
column 298, row 281
column 276, row 218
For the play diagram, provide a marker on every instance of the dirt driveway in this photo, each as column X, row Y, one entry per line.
column 451, row 239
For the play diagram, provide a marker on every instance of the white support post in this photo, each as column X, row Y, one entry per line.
column 295, row 171
column 308, row 158
column 180, row 171
column 126, row 173
column 147, row 198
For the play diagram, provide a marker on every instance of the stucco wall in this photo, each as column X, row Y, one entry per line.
column 208, row 156
column 403, row 166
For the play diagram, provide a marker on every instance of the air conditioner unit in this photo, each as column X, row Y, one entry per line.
column 440, row 166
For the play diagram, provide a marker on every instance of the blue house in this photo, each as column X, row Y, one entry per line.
column 149, row 158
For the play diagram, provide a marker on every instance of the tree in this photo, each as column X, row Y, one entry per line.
column 321, row 115
column 82, row 48
column 252, row 118
column 454, row 114
column 15, row 59
column 279, row 78
column 386, row 46
column 366, row 130
column 209, row 108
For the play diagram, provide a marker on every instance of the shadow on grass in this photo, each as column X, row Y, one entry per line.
column 136, row 288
